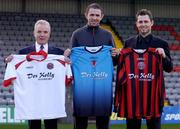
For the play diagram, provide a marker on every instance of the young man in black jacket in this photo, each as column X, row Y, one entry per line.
column 144, row 40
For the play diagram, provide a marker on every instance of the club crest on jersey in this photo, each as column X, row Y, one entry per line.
column 141, row 65
column 93, row 63
column 50, row 65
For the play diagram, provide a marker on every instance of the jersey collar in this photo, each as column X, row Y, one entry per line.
column 37, row 56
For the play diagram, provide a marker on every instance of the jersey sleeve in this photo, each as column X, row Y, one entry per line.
column 68, row 72
column 10, row 74
column 69, row 77
column 161, row 85
column 121, row 72
column 120, row 80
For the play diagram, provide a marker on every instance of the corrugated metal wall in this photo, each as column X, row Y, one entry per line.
column 10, row 5
column 111, row 8
column 160, row 8
column 162, row 11
column 52, row 6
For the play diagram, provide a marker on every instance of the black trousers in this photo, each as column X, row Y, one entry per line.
column 153, row 123
column 102, row 122
column 49, row 124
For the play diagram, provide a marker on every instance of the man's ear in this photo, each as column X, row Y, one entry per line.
column 85, row 14
column 152, row 22
column 102, row 15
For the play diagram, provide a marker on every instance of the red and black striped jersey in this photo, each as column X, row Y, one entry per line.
column 140, row 89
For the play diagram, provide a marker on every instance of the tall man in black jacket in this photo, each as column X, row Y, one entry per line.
column 144, row 23
column 92, row 35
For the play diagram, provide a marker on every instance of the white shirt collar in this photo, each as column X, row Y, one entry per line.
column 38, row 47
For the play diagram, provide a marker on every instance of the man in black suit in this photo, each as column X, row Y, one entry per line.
column 42, row 31
column 144, row 40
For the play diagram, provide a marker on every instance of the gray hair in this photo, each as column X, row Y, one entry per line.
column 44, row 22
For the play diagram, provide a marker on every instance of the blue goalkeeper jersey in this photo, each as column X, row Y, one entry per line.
column 93, row 76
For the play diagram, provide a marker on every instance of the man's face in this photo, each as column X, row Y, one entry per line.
column 94, row 16
column 144, row 25
column 42, row 33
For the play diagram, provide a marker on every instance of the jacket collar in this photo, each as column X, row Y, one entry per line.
column 91, row 28
column 146, row 39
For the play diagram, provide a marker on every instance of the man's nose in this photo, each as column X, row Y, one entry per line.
column 42, row 34
column 94, row 17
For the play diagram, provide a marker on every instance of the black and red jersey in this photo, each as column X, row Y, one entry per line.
column 140, row 89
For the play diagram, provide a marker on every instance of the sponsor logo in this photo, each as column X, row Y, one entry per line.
column 41, row 76
column 172, row 117
column 95, row 75
column 7, row 115
column 142, row 76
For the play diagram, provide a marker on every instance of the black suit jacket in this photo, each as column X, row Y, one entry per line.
column 155, row 42
column 51, row 50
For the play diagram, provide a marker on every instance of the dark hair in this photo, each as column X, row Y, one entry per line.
column 144, row 12
column 94, row 6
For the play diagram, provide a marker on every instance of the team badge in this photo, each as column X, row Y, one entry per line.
column 50, row 65
column 141, row 65
column 93, row 63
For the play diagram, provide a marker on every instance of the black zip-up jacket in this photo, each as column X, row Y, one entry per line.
column 91, row 37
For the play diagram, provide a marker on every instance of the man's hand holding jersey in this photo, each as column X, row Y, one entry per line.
column 115, row 52
column 161, row 52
